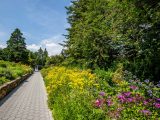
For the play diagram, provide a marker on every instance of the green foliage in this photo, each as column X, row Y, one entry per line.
column 16, row 51
column 70, row 90
column 3, row 80
column 90, row 44
column 40, row 57
column 55, row 60
column 16, row 48
column 10, row 71
column 105, row 77
column 103, row 32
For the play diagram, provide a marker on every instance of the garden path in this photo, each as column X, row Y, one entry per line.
column 26, row 102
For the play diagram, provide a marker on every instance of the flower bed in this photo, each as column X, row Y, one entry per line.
column 81, row 95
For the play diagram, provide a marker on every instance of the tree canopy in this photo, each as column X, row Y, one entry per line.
column 106, row 32
column 16, row 47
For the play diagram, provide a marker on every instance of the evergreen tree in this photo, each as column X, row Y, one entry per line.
column 16, row 47
column 45, row 53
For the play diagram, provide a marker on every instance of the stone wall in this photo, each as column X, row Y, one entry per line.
column 9, row 86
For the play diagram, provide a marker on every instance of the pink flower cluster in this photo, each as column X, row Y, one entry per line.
column 133, row 87
column 99, row 102
column 157, row 103
column 127, row 97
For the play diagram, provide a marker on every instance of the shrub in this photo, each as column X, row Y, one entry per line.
column 10, row 70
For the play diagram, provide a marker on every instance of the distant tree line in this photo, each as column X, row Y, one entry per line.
column 16, row 51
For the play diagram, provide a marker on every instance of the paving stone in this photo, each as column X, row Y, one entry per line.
column 27, row 102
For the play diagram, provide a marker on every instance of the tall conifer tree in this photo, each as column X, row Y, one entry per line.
column 16, row 47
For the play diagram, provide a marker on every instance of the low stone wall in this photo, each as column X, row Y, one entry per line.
column 9, row 86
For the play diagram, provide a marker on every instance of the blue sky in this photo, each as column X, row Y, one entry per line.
column 41, row 21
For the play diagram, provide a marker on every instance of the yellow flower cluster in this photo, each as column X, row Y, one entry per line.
column 72, row 78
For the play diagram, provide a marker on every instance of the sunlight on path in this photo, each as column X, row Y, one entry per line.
column 28, row 102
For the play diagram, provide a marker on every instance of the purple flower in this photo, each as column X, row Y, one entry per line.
column 127, row 94
column 158, row 99
column 145, row 102
column 157, row 105
column 146, row 112
column 121, row 98
column 102, row 93
column 109, row 102
column 146, row 81
column 133, row 87
column 130, row 99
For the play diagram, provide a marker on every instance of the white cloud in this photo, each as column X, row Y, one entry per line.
column 2, row 46
column 33, row 47
column 51, row 44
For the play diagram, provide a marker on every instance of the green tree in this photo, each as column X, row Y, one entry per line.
column 32, row 59
column 16, row 47
column 41, row 57
column 105, row 32
column 88, row 41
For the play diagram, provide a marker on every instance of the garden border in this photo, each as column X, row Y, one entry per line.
column 9, row 86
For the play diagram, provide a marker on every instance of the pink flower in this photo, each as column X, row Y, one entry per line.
column 145, row 102
column 133, row 87
column 99, row 102
column 157, row 105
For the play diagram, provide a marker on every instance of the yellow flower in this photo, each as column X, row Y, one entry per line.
column 72, row 78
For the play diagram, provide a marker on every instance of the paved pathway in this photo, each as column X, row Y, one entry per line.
column 27, row 102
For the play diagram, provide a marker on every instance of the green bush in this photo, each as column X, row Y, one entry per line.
column 10, row 71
